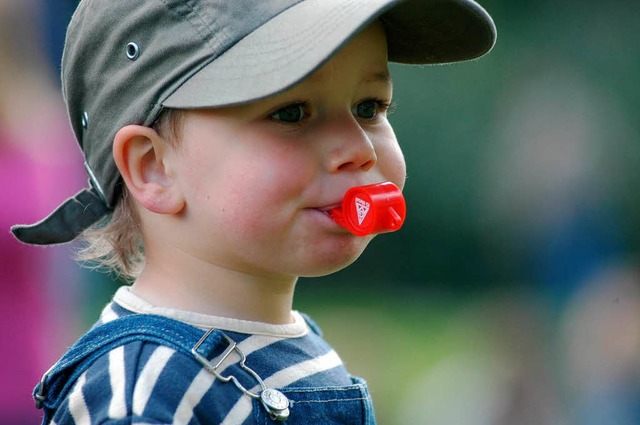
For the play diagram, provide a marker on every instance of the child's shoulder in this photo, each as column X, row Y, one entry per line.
column 134, row 366
column 140, row 379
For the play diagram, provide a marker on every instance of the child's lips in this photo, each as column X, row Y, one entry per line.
column 327, row 209
column 331, row 206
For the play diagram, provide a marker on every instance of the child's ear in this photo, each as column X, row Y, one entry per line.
column 141, row 156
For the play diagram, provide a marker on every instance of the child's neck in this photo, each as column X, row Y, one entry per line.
column 219, row 292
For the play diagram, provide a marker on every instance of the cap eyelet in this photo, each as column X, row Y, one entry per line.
column 85, row 120
column 133, row 51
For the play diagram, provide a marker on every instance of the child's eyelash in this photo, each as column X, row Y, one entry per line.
column 382, row 105
column 303, row 105
column 386, row 105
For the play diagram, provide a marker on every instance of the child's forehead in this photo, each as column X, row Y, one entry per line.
column 362, row 76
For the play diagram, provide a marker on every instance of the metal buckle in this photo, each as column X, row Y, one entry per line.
column 275, row 403
column 39, row 397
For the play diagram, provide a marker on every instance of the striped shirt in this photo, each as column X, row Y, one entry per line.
column 142, row 382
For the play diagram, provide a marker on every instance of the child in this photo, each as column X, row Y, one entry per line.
column 218, row 135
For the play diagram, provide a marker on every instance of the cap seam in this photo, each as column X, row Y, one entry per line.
column 193, row 17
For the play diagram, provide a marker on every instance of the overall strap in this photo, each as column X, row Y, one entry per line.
column 58, row 381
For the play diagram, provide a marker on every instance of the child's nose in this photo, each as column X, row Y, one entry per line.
column 351, row 150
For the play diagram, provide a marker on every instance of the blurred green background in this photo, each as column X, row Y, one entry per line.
column 512, row 294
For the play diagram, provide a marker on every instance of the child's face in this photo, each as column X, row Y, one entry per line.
column 258, row 179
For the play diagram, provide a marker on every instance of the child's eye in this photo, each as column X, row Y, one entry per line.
column 369, row 109
column 290, row 114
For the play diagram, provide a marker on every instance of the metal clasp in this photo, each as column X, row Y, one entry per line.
column 39, row 397
column 96, row 184
column 274, row 402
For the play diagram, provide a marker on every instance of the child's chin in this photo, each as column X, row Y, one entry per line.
column 335, row 261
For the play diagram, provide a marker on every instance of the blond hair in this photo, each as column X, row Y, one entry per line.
column 115, row 244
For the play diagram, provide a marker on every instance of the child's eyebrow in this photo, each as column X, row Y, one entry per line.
column 378, row 77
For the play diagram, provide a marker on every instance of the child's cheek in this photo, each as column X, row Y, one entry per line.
column 264, row 194
column 391, row 160
column 398, row 171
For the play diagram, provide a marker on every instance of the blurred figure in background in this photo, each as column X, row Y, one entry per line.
column 549, row 194
column 34, row 146
column 552, row 183
column 601, row 342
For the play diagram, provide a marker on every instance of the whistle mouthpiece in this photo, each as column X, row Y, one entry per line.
column 371, row 209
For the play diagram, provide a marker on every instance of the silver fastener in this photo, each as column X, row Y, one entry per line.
column 133, row 51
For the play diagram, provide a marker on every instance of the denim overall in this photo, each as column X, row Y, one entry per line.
column 328, row 405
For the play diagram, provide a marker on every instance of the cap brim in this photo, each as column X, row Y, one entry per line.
column 296, row 42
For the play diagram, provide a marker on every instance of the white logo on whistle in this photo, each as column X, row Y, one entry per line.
column 362, row 207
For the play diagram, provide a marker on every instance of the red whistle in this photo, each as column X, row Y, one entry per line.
column 374, row 208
